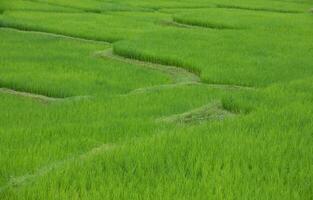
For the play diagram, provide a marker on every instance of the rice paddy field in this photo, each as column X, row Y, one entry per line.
column 159, row 99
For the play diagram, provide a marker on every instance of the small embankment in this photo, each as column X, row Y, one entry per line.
column 196, row 24
column 38, row 97
column 276, row 10
column 41, row 31
column 162, row 87
column 172, row 23
column 178, row 75
column 209, row 112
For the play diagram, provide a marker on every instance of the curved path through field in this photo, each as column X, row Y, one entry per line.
column 179, row 75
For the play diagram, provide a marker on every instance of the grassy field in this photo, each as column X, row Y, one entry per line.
column 161, row 99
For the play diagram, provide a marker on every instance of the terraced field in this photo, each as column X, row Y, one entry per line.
column 161, row 99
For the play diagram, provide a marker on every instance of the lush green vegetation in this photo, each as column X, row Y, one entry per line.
column 160, row 99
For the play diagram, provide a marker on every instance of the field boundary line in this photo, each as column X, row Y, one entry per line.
column 160, row 87
column 211, row 111
column 273, row 10
column 178, row 74
column 28, row 178
column 39, row 97
column 175, row 24
column 228, row 6
column 175, row 85
column 181, row 24
column 56, row 35
column 229, row 86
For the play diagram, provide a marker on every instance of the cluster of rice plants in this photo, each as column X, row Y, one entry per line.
column 161, row 99
column 240, row 19
column 24, row 5
column 42, row 65
column 108, row 27
column 255, row 56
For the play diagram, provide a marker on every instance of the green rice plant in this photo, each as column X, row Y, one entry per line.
column 240, row 19
column 33, row 6
column 94, row 6
column 264, row 5
column 108, row 27
column 41, row 65
column 81, row 118
column 256, row 5
column 240, row 57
